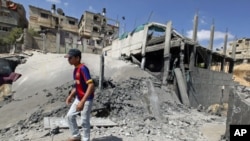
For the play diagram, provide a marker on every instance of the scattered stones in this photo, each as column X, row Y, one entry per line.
column 128, row 104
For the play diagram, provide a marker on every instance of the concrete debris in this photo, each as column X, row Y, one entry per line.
column 61, row 122
column 135, row 104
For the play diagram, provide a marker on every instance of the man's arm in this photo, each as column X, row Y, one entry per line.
column 71, row 95
column 88, row 92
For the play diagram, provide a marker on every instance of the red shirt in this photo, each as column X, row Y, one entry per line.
column 82, row 79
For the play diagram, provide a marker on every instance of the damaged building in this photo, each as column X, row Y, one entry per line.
column 93, row 27
column 242, row 54
column 12, row 15
column 178, row 60
column 57, row 29
column 41, row 19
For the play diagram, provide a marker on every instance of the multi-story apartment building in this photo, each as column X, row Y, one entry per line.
column 93, row 26
column 12, row 15
column 242, row 49
column 41, row 19
column 63, row 29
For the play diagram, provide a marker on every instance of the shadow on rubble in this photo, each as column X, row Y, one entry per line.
column 107, row 138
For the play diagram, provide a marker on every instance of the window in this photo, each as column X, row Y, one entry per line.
column 98, row 42
column 110, row 33
column 5, row 29
column 104, row 21
column 72, row 22
column 96, row 19
column 43, row 15
column 95, row 29
column 6, row 14
column 247, row 43
column 91, row 42
column 56, row 20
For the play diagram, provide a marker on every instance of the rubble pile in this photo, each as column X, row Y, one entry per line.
column 134, row 99
column 128, row 104
column 54, row 107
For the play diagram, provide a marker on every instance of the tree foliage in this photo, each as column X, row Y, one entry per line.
column 11, row 37
column 33, row 33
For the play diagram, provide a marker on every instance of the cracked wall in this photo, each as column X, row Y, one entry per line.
column 205, row 86
column 239, row 108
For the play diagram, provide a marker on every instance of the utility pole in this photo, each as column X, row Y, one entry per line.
column 59, row 17
column 44, row 38
column 103, row 31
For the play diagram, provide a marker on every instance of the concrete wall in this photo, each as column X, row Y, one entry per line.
column 205, row 86
column 66, row 42
column 238, row 108
column 4, row 49
column 27, row 40
column 126, row 45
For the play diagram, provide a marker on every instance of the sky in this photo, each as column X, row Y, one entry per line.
column 227, row 15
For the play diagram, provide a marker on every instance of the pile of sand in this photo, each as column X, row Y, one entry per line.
column 242, row 74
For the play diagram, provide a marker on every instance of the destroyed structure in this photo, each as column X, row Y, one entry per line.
column 242, row 53
column 159, row 48
column 93, row 27
column 41, row 19
column 156, row 47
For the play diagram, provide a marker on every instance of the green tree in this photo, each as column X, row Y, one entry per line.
column 11, row 37
column 33, row 33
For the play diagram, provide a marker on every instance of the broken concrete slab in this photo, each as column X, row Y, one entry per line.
column 61, row 122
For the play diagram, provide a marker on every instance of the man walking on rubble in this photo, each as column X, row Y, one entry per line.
column 83, row 92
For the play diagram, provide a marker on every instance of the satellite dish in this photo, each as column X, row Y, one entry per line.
column 59, row 11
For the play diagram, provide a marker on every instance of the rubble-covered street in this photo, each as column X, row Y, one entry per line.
column 131, row 98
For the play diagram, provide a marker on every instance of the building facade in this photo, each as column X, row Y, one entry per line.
column 42, row 19
column 93, row 26
column 12, row 15
column 58, row 31
column 242, row 53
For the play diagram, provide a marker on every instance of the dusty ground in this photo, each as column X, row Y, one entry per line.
column 131, row 98
column 242, row 74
